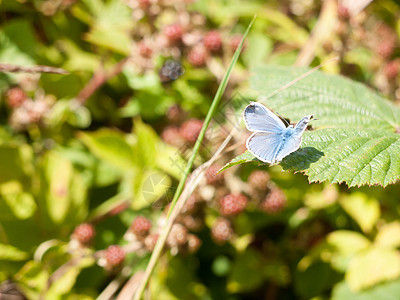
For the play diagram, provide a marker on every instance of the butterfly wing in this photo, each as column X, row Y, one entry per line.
column 302, row 125
column 294, row 141
column 259, row 118
column 264, row 145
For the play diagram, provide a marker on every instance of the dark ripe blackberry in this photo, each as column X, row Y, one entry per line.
column 232, row 204
column 144, row 49
column 84, row 233
column 141, row 226
column 259, row 180
column 221, row 231
column 171, row 135
column 274, row 202
column 173, row 32
column 213, row 177
column 170, row 71
column 175, row 114
column 391, row 69
column 190, row 130
column 197, row 56
column 193, row 243
column 15, row 97
column 177, row 236
column 115, row 255
column 213, row 41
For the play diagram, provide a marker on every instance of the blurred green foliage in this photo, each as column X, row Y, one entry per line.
column 108, row 141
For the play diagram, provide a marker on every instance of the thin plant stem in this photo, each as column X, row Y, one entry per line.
column 174, row 208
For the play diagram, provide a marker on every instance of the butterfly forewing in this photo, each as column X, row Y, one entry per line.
column 258, row 118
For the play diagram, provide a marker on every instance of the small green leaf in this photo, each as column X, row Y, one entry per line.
column 240, row 159
column 245, row 274
column 19, row 202
column 348, row 242
column 386, row 291
column 110, row 146
column 389, row 235
column 8, row 252
column 363, row 209
column 372, row 266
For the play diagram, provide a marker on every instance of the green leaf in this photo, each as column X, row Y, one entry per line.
column 240, row 159
column 363, row 209
column 372, row 266
column 344, row 244
column 21, row 204
column 385, row 291
column 354, row 156
column 245, row 274
column 334, row 100
column 110, row 146
column 361, row 145
column 389, row 235
column 8, row 252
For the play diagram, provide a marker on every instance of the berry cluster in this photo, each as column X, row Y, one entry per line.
column 84, row 233
column 24, row 110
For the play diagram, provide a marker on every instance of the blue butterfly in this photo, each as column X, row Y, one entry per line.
column 271, row 140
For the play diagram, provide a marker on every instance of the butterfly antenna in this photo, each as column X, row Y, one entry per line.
column 284, row 120
column 300, row 78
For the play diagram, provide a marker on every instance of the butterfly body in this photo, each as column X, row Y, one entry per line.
column 271, row 140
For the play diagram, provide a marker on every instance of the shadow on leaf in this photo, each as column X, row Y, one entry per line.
column 301, row 159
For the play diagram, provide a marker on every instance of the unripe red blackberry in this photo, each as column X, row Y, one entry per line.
column 175, row 114
column 84, row 233
column 213, row 41
column 221, row 231
column 171, row 135
column 232, row 204
column 343, row 12
column 170, row 71
column 212, row 175
column 15, row 97
column 386, row 48
column 193, row 243
column 144, row 49
column 192, row 223
column 391, row 69
column 144, row 3
column 190, row 130
column 259, row 180
column 173, row 32
column 115, row 255
column 235, row 42
column 177, row 236
column 141, row 226
column 274, row 202
column 150, row 241
column 190, row 206
column 197, row 56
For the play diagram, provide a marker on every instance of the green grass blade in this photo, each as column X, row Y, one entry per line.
column 218, row 95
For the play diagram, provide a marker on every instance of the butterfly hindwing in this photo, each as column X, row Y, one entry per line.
column 264, row 145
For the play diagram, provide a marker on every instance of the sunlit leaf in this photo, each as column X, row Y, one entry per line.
column 373, row 266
